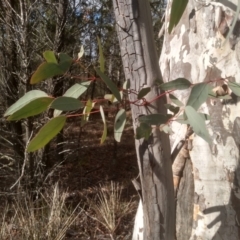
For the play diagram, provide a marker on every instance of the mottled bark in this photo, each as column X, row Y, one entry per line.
column 140, row 64
column 195, row 51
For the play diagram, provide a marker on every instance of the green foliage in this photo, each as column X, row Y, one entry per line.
column 104, row 135
column 81, row 53
column 51, row 68
column 47, row 133
column 86, row 112
column 66, row 104
column 197, row 123
column 143, row 92
column 119, row 124
column 235, row 87
column 198, row 96
column 177, row 84
column 177, row 9
column 110, row 84
column 50, row 57
column 27, row 102
column 74, row 92
column 154, row 119
column 143, row 131
column 175, row 100
column 33, row 108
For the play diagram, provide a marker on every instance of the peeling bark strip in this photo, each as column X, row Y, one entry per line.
column 140, row 63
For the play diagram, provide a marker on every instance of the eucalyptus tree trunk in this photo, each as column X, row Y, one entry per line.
column 140, row 62
column 208, row 199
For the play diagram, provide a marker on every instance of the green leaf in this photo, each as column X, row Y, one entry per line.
column 104, row 135
column 177, row 9
column 153, row 119
column 143, row 92
column 235, row 87
column 175, row 100
column 197, row 123
column 33, row 108
column 143, row 131
column 50, row 57
column 110, row 84
column 24, row 100
column 75, row 92
column 178, row 84
column 66, row 104
column 126, row 84
column 46, row 70
column 65, row 62
column 172, row 108
column 86, row 112
column 46, row 133
column 101, row 59
column 119, row 124
column 198, row 95
column 81, row 53
column 183, row 119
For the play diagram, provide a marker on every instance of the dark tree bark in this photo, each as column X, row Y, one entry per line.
column 140, row 62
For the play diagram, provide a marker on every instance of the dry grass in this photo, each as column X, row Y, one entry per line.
column 46, row 219
column 110, row 208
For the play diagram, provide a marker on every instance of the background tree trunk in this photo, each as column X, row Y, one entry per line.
column 195, row 51
column 134, row 26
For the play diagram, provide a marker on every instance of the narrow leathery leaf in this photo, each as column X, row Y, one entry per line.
column 198, row 95
column 66, row 104
column 46, row 133
column 172, row 108
column 197, row 123
column 119, row 124
column 177, row 9
column 33, row 108
column 182, row 119
column 110, row 84
column 235, row 87
column 153, row 119
column 165, row 128
column 177, row 84
column 81, row 52
column 109, row 97
column 175, row 100
column 74, row 91
column 143, row 92
column 86, row 112
column 143, row 131
column 50, row 57
column 46, row 70
column 104, row 135
column 64, row 66
column 101, row 59
column 77, row 89
column 65, row 62
column 24, row 100
column 126, row 84
column 63, row 57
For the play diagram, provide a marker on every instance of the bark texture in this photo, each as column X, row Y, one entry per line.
column 140, row 62
column 195, row 51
